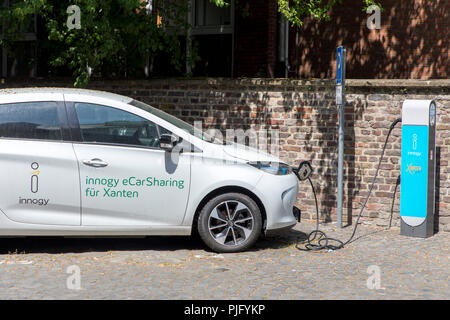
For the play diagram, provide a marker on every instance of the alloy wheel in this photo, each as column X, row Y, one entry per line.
column 231, row 223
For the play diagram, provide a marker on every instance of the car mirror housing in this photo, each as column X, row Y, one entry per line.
column 167, row 141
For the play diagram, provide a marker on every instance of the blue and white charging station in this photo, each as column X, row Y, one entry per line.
column 418, row 167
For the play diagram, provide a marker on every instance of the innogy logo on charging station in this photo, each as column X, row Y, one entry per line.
column 412, row 169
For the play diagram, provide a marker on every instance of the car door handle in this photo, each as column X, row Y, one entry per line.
column 97, row 163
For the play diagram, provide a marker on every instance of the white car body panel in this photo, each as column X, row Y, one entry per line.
column 155, row 211
column 152, row 205
column 57, row 182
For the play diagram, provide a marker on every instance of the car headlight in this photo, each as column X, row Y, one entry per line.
column 276, row 168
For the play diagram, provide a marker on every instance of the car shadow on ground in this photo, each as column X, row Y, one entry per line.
column 61, row 245
column 288, row 239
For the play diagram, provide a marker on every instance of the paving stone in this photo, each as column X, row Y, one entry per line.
column 182, row 268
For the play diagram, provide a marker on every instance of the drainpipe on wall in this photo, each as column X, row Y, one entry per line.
column 189, row 38
column 3, row 50
column 149, row 11
column 283, row 44
column 233, row 36
column 286, row 49
column 296, row 64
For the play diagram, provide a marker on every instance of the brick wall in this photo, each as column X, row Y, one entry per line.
column 306, row 117
column 413, row 42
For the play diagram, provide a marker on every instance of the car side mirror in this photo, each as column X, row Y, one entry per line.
column 167, row 141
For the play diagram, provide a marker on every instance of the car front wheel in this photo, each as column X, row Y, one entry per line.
column 230, row 222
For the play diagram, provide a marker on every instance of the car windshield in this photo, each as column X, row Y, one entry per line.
column 174, row 121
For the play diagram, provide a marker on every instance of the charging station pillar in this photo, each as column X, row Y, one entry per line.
column 418, row 167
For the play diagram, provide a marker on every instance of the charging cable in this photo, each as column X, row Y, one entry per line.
column 317, row 239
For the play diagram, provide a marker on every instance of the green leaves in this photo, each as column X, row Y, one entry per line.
column 115, row 38
column 221, row 3
column 296, row 11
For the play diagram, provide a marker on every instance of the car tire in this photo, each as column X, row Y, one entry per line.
column 230, row 222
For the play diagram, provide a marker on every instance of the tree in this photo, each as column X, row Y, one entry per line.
column 116, row 37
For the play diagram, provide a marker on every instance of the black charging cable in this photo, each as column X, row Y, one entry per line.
column 317, row 239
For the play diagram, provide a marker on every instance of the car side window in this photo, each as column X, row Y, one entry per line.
column 105, row 124
column 30, row 120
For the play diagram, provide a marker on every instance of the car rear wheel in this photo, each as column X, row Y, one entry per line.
column 230, row 222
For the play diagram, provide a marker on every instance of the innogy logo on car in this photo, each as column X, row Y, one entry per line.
column 34, row 187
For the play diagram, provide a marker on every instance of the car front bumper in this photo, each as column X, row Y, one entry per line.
column 278, row 195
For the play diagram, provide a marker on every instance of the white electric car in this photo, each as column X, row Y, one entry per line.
column 90, row 163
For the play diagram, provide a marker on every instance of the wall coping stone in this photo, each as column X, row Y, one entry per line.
column 273, row 82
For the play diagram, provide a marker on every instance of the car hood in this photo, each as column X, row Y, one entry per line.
column 243, row 152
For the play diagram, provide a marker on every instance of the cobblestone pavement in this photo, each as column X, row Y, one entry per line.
column 181, row 268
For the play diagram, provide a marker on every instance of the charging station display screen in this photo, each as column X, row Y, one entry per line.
column 414, row 173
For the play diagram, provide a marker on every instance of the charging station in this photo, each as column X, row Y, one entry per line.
column 418, row 167
column 418, row 170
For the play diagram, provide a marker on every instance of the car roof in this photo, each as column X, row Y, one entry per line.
column 81, row 92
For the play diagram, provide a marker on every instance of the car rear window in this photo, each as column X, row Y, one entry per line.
column 30, row 120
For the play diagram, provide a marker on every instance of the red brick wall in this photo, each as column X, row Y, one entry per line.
column 413, row 42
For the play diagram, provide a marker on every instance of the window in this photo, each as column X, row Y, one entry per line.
column 110, row 125
column 212, row 31
column 30, row 120
column 175, row 121
column 208, row 14
column 13, row 65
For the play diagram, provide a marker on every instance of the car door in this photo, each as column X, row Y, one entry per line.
column 126, row 179
column 39, row 173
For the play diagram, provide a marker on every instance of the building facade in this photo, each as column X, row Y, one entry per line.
column 250, row 38
column 411, row 41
